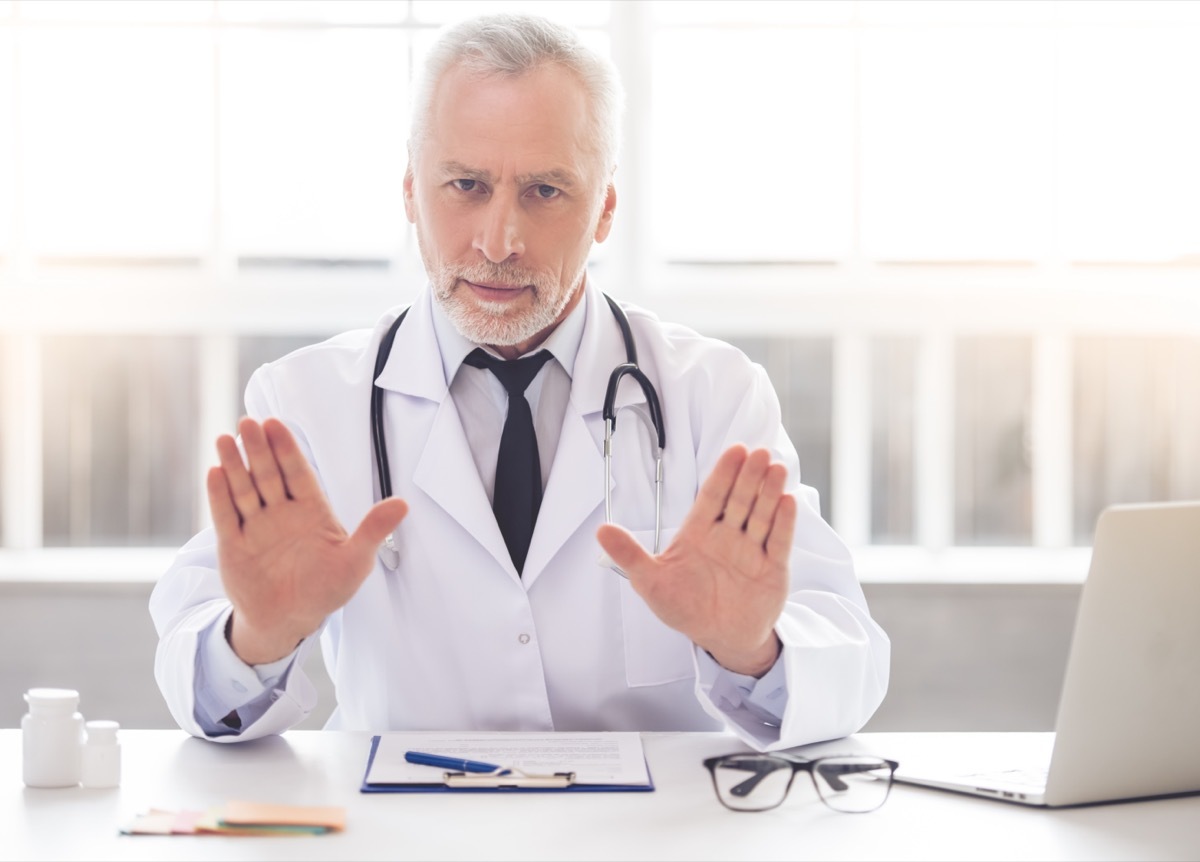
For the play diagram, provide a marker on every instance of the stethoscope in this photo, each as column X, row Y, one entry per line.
column 630, row 367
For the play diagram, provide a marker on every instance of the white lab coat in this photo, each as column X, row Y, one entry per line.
column 453, row 638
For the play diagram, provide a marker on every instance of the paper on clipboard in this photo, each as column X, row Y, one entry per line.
column 608, row 760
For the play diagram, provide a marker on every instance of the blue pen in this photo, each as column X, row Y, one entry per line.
column 455, row 763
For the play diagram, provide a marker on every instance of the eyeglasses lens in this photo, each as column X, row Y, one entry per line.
column 852, row 784
column 752, row 782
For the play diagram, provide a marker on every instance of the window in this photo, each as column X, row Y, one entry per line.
column 962, row 238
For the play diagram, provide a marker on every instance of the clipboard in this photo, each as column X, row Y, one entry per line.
column 514, row 782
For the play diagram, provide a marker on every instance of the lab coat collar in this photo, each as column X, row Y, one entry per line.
column 562, row 343
column 409, row 370
column 600, row 351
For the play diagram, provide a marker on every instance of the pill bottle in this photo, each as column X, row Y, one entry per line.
column 52, row 738
column 101, row 755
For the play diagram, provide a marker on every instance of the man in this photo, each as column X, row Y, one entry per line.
column 485, row 608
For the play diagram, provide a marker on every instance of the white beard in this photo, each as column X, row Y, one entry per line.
column 498, row 323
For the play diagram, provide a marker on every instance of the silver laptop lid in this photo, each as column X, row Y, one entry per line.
column 1129, row 715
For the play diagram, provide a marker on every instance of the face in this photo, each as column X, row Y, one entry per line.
column 508, row 195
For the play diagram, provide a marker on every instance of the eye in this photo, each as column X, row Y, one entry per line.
column 546, row 193
column 465, row 185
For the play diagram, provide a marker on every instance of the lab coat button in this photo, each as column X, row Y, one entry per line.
column 523, row 638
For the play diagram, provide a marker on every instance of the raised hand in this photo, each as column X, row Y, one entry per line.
column 723, row 580
column 285, row 560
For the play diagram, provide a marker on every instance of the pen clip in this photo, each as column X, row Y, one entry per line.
column 508, row 778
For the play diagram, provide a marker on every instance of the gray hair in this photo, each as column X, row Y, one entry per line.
column 513, row 45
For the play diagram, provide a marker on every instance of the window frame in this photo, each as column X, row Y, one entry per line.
column 850, row 301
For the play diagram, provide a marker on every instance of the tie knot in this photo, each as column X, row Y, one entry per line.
column 514, row 374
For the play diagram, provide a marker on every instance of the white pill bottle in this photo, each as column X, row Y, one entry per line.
column 52, row 735
column 101, row 755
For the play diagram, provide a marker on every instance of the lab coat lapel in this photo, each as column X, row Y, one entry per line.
column 445, row 471
column 576, row 485
column 573, row 492
column 414, row 366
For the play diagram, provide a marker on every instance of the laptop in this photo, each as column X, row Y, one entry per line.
column 1128, row 722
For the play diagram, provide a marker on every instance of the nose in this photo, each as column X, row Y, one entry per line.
column 499, row 236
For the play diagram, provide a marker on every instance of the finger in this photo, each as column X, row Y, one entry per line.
column 779, row 542
column 226, row 520
column 710, row 501
column 384, row 517
column 299, row 480
column 624, row 550
column 758, row 524
column 241, row 487
column 746, row 488
column 264, row 472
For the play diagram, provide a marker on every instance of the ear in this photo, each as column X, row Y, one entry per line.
column 605, row 223
column 410, row 207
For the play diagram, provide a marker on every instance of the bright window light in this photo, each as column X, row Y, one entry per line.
column 753, row 144
column 957, row 149
column 975, row 12
column 579, row 13
column 110, row 11
column 7, row 141
column 314, row 142
column 1130, row 138
column 768, row 12
column 314, row 11
column 117, row 149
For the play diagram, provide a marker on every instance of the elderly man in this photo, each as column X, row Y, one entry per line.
column 462, row 440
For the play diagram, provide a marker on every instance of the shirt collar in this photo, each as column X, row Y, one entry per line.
column 563, row 342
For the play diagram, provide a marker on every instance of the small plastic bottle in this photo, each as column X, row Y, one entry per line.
column 52, row 738
column 101, row 755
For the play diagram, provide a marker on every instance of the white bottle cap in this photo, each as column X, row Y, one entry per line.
column 53, row 698
column 102, row 732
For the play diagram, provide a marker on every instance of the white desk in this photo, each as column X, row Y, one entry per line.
column 680, row 820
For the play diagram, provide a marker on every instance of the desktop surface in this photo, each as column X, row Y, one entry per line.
column 681, row 819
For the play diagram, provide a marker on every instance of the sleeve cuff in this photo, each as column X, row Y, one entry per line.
column 763, row 697
column 226, row 684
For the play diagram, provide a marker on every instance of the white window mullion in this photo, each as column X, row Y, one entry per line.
column 220, row 264
column 218, row 407
column 851, row 439
column 1050, row 433
column 21, row 395
column 627, row 276
column 933, row 474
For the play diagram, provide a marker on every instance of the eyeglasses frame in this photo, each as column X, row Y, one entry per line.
column 797, row 764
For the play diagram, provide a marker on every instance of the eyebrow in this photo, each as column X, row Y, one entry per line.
column 555, row 177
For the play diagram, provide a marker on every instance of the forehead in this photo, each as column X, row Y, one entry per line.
column 537, row 122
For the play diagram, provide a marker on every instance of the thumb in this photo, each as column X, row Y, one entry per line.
column 624, row 549
column 378, row 523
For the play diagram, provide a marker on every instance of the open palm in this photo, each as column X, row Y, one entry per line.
column 285, row 560
column 723, row 580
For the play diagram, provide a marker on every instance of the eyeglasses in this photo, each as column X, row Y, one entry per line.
column 853, row 783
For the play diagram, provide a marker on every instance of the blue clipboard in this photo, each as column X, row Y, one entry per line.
column 442, row 787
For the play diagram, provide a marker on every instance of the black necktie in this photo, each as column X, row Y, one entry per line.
column 518, row 494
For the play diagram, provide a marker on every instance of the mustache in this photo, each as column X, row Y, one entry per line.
column 507, row 274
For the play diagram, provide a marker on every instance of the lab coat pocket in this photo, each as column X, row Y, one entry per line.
column 655, row 654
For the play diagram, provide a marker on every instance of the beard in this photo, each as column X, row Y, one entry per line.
column 499, row 323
